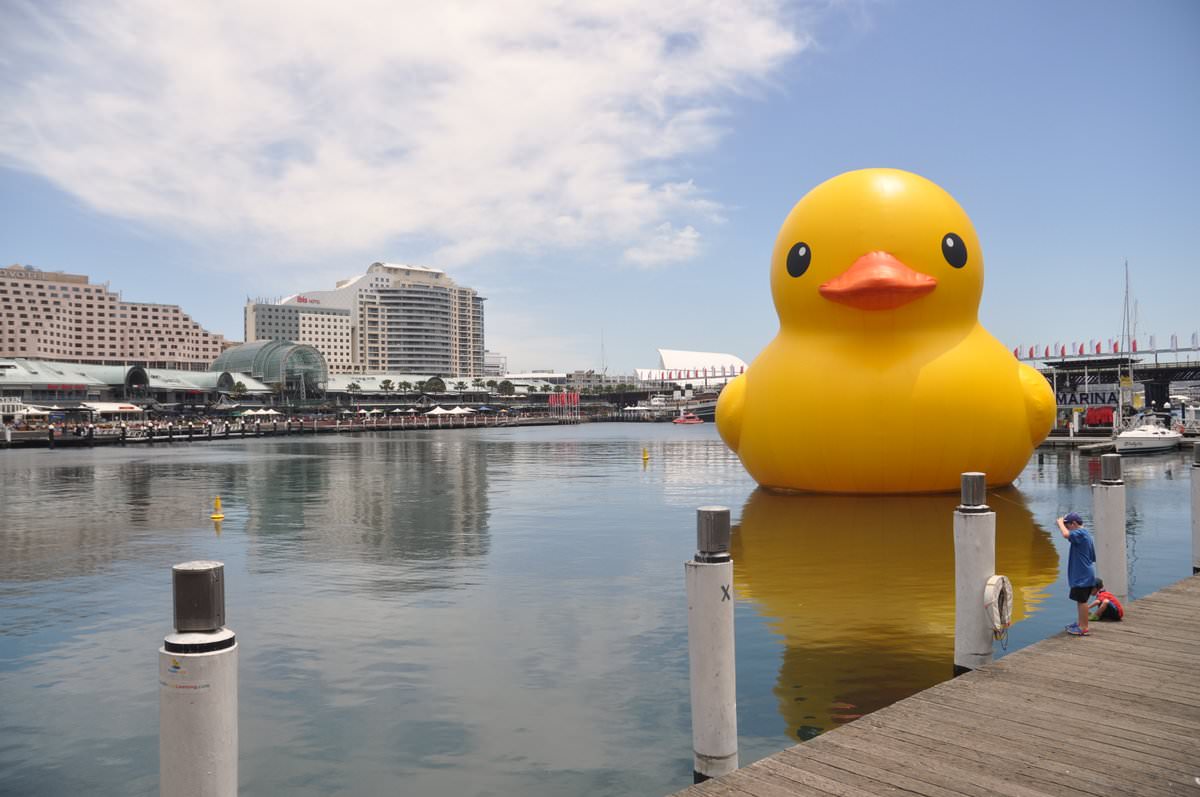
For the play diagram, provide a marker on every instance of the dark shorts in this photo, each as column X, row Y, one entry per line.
column 1110, row 613
column 1081, row 594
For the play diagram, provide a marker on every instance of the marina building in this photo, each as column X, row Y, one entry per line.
column 68, row 385
column 293, row 371
column 392, row 319
column 50, row 315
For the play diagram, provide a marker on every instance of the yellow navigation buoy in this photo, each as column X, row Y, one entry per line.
column 881, row 379
column 645, row 454
column 216, row 515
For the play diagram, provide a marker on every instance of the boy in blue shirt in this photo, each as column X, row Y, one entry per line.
column 1081, row 568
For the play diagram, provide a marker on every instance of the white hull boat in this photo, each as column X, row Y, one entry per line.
column 1148, row 438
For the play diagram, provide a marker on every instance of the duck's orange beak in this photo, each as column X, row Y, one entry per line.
column 877, row 281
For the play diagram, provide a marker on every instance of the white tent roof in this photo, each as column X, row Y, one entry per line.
column 438, row 411
column 461, row 411
column 112, row 406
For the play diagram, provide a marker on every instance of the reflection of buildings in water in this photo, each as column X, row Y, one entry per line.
column 689, row 462
column 69, row 520
column 862, row 591
column 413, row 498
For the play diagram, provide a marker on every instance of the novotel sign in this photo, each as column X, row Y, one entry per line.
column 306, row 300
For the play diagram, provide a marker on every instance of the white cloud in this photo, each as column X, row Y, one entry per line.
column 318, row 128
column 666, row 245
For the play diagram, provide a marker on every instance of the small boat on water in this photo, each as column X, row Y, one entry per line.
column 687, row 418
column 1148, row 437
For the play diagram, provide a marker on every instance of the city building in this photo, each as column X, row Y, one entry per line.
column 329, row 330
column 494, row 363
column 402, row 319
column 50, row 315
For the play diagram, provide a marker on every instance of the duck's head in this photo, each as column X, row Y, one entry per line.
column 877, row 249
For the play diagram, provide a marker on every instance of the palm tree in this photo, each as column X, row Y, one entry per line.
column 405, row 387
column 239, row 390
column 386, row 386
column 353, row 388
column 505, row 388
column 460, row 386
column 491, row 383
column 477, row 382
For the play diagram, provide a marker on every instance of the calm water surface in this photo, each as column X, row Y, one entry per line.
column 490, row 612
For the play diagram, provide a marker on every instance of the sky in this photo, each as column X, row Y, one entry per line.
column 610, row 175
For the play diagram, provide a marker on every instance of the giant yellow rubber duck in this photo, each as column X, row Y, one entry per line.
column 881, row 379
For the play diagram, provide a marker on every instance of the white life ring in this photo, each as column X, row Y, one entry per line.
column 997, row 602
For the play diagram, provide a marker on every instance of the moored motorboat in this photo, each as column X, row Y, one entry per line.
column 1148, row 437
column 687, row 418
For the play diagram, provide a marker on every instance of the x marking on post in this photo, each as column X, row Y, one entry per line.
column 725, row 596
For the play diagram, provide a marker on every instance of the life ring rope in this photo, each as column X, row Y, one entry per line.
column 998, row 602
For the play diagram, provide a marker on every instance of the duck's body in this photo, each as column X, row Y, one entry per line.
column 881, row 379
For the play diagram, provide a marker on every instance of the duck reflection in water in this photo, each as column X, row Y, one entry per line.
column 861, row 588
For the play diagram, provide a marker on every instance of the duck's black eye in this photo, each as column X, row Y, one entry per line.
column 954, row 250
column 799, row 257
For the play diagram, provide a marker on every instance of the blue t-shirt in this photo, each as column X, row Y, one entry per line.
column 1081, row 562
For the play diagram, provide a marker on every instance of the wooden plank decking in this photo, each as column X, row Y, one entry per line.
column 1114, row 713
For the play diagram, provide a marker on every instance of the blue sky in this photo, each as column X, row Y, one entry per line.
column 599, row 171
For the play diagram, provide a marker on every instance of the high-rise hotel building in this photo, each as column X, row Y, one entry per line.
column 392, row 319
column 49, row 315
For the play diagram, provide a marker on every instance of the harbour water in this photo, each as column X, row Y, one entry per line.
column 491, row 612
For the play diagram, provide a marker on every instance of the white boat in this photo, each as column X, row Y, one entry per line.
column 1148, row 437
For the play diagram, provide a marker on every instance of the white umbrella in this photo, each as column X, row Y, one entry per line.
column 410, row 409
column 397, row 410
column 438, row 411
column 458, row 411
column 377, row 412
column 271, row 412
column 362, row 412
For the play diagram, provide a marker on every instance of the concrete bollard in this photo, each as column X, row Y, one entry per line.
column 974, row 564
column 198, row 684
column 1195, row 508
column 711, row 658
column 1108, row 514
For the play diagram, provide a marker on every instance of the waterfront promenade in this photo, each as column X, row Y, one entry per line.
column 1117, row 712
column 199, row 433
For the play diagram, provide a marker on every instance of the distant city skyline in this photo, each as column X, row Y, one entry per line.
column 612, row 180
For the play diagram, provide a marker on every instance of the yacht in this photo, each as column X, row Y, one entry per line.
column 1148, row 437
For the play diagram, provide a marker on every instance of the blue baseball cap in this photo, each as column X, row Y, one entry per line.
column 1072, row 517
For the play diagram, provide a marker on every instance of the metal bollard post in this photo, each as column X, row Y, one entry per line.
column 1108, row 513
column 711, row 658
column 198, row 700
column 1195, row 507
column 974, row 564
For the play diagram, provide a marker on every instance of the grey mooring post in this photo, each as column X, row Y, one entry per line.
column 1108, row 514
column 1195, row 507
column 198, row 689
column 709, row 578
column 974, row 564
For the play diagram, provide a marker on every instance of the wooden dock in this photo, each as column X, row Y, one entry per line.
column 1114, row 713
